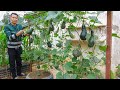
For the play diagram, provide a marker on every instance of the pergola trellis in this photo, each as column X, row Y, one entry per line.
column 109, row 44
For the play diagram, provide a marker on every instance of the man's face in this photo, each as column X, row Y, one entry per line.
column 14, row 19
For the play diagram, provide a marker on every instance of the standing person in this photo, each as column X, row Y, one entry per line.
column 14, row 33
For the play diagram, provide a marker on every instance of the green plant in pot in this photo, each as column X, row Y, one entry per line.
column 41, row 58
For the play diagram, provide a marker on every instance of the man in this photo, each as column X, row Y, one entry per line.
column 14, row 33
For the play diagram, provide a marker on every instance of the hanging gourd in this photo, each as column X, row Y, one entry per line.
column 91, row 40
column 63, row 25
column 51, row 27
column 76, row 53
column 84, row 32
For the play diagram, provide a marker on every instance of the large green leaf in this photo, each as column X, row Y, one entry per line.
column 91, row 76
column 69, row 76
column 68, row 67
column 54, row 51
column 71, row 27
column 74, row 59
column 94, row 19
column 73, row 76
column 112, row 75
column 52, row 14
column 59, row 75
column 115, row 35
column 118, row 66
column 74, row 19
column 68, row 43
column 66, row 76
column 103, row 48
column 85, row 63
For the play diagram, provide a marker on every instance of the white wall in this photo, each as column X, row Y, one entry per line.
column 115, row 60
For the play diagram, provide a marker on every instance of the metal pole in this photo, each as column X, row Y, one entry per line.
column 109, row 44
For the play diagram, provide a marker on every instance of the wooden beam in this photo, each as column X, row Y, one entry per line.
column 109, row 44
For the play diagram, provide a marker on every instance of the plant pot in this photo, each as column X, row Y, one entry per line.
column 39, row 74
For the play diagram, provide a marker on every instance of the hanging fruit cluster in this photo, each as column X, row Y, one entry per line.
column 83, row 35
column 91, row 41
column 84, row 32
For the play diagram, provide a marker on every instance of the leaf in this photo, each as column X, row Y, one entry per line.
column 115, row 35
column 68, row 43
column 71, row 27
column 59, row 75
column 54, row 51
column 66, row 76
column 52, row 14
column 68, row 67
column 74, row 59
column 73, row 76
column 91, row 76
column 44, row 66
column 85, row 63
column 91, row 53
column 112, row 75
column 82, row 12
column 103, row 48
column 55, row 34
column 70, row 76
column 118, row 66
column 103, row 58
column 97, row 21
column 74, row 19
column 92, row 17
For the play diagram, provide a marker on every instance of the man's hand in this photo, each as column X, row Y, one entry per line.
column 26, row 34
column 20, row 33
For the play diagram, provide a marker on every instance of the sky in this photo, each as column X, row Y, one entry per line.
column 21, row 13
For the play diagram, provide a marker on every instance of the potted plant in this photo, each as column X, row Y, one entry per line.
column 41, row 58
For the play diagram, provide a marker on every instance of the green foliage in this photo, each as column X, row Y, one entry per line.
column 115, row 35
column 112, row 75
column 3, row 45
column 51, row 26
column 118, row 70
column 103, row 48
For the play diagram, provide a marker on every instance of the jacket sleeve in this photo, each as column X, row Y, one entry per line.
column 10, row 36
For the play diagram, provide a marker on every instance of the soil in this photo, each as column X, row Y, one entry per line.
column 39, row 74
